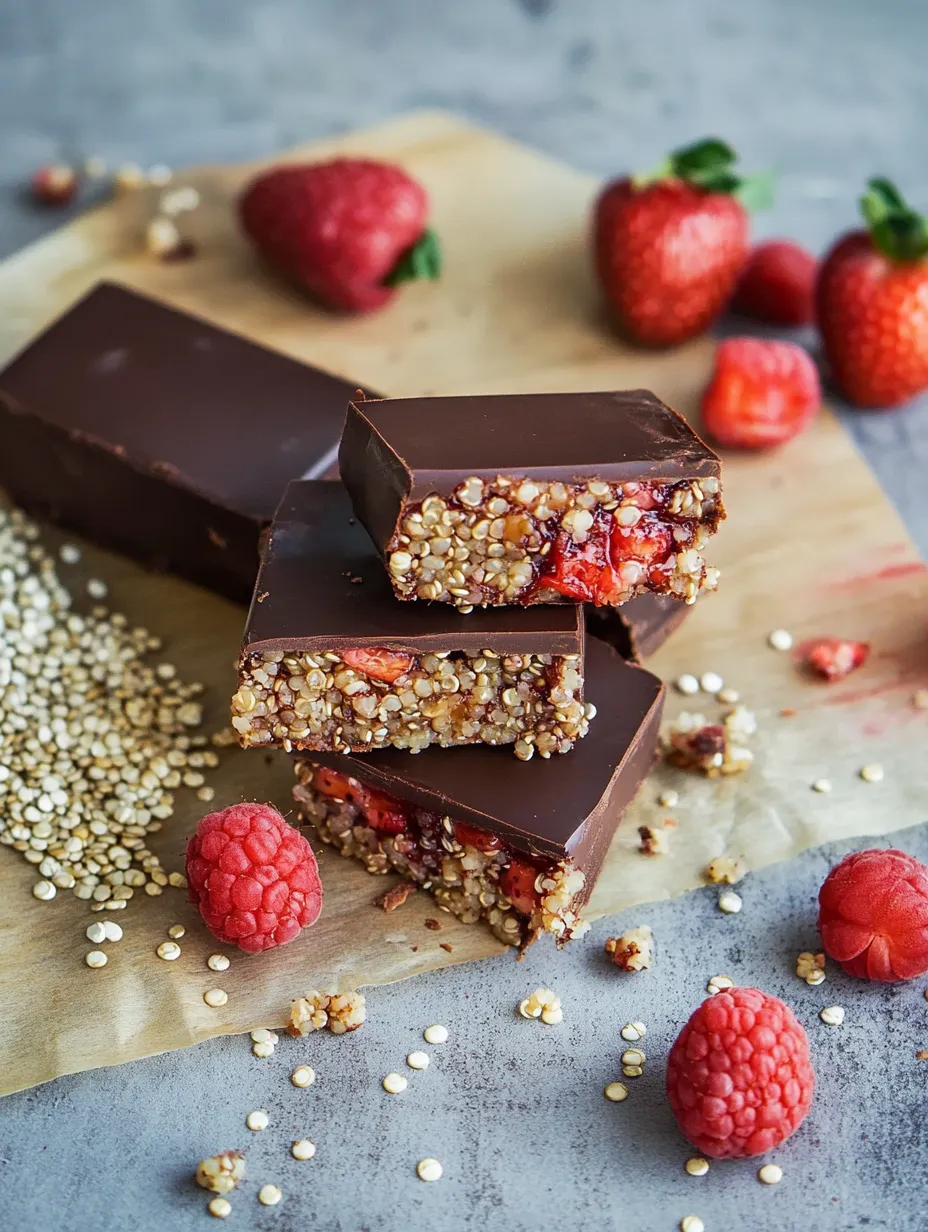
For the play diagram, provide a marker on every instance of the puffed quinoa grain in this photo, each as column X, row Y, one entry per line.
column 221, row 1173
column 634, row 950
column 269, row 1195
column 770, row 1174
column 429, row 1169
column 418, row 1060
column 257, row 1120
column 436, row 1034
column 303, row 1149
column 218, row 962
column 832, row 1015
column 697, row 1166
column 303, row 1076
column 616, row 1092
column 95, row 958
column 780, row 639
column 215, row 998
column 692, row 1223
column 168, row 950
column 394, row 1084
column 219, row 1207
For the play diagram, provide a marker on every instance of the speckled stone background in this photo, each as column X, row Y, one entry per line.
column 828, row 91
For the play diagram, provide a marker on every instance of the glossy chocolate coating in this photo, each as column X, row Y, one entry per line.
column 564, row 806
column 397, row 451
column 322, row 586
column 639, row 627
column 159, row 435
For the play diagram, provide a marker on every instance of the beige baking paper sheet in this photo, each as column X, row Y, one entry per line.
column 811, row 545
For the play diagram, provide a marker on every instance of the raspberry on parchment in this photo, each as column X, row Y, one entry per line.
column 253, row 877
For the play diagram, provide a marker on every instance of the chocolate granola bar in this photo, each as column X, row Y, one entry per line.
column 518, row 847
column 541, row 498
column 331, row 661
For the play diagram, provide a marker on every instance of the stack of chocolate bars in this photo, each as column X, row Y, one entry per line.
column 434, row 605
column 479, row 592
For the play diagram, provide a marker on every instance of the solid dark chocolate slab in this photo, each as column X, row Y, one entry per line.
column 322, row 586
column 161, row 436
column 402, row 449
column 639, row 627
column 565, row 806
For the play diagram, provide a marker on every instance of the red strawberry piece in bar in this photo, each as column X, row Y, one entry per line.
column 379, row 663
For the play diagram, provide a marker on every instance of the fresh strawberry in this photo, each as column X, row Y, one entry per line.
column 669, row 247
column 518, row 884
column 833, row 658
column 778, row 284
column 761, row 393
column 472, row 836
column 383, row 813
column 379, row 663
column 872, row 303
column 349, row 230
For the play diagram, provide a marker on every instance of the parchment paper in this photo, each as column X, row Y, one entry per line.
column 811, row 545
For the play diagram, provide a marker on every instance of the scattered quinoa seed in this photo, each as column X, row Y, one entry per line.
column 69, row 553
column 168, row 950
column 697, row 1166
column 436, row 1034
column 712, row 683
column 176, row 931
column 269, row 1195
column 669, row 799
column 96, row 932
column 616, row 1092
column 263, row 1051
column 44, row 891
column 832, row 1015
column 872, row 773
column 730, row 902
column 257, row 1120
column 95, row 958
column 217, row 962
column 97, row 589
column 393, row 1084
column 215, row 998
column 262, row 1036
column 303, row 1149
column 429, row 1169
column 719, row 983
column 632, row 1032
column 692, row 1223
column 780, row 639
column 687, row 684
column 823, row 786
column 221, row 1173
column 729, row 696
column 770, row 1174
column 418, row 1060
column 303, row 1076
column 220, row 1207
column 633, row 1056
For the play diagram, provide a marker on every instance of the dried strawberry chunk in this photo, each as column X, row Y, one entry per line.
column 833, row 658
column 611, row 561
column 518, row 884
column 379, row 663
column 383, row 813
column 473, row 836
column 339, row 786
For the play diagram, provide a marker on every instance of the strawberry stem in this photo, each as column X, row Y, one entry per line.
column 709, row 164
column 898, row 231
column 422, row 260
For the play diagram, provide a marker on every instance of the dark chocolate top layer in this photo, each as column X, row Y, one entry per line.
column 322, row 586
column 173, row 395
column 617, row 436
column 564, row 805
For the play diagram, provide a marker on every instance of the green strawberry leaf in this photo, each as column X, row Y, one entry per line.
column 756, row 192
column 702, row 156
column 423, row 260
column 898, row 231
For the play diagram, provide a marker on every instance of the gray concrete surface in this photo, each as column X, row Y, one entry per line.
column 829, row 92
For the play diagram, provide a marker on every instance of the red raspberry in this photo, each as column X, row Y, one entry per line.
column 873, row 915
column 253, row 877
column 778, row 284
column 739, row 1076
column 761, row 393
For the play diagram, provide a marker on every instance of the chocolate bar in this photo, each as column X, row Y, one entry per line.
column 519, row 847
column 331, row 661
column 535, row 498
column 161, row 436
column 639, row 627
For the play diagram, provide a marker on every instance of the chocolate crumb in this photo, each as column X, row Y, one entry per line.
column 434, row 925
column 395, row 896
column 262, row 595
column 414, row 948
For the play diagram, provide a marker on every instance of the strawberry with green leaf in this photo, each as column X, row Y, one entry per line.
column 670, row 246
column 872, row 303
